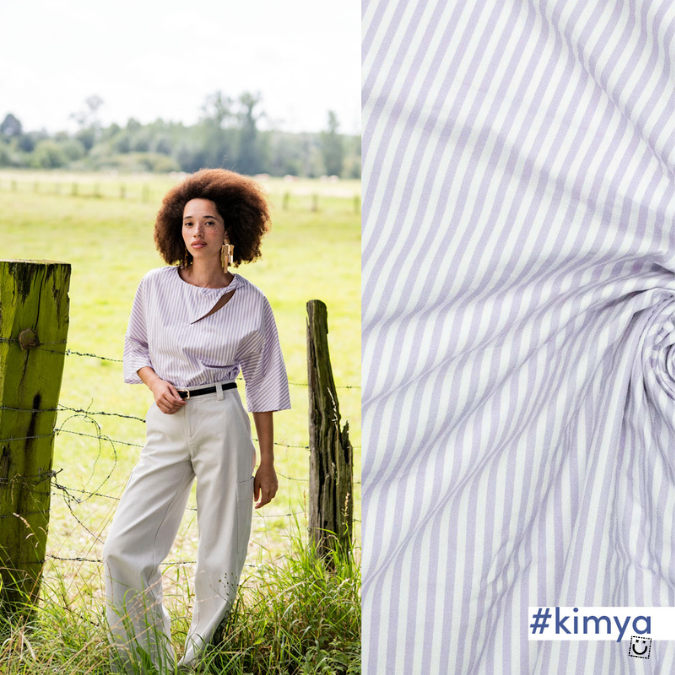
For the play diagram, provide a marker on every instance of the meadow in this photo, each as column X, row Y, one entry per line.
column 109, row 243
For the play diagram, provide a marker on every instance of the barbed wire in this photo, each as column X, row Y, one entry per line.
column 138, row 445
column 31, row 482
column 72, row 352
column 112, row 414
column 77, row 410
column 68, row 499
column 99, row 412
column 45, row 475
column 105, row 438
column 86, row 492
column 66, row 490
column 60, row 430
column 301, row 480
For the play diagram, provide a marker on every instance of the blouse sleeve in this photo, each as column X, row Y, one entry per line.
column 136, row 353
column 265, row 372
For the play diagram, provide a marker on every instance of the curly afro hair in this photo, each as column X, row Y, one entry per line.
column 240, row 201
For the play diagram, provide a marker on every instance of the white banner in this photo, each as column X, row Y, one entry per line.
column 601, row 623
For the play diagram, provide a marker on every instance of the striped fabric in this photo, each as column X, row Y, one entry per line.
column 518, row 328
column 168, row 331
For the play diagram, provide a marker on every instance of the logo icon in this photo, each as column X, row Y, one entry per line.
column 640, row 647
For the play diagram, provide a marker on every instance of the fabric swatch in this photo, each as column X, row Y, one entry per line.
column 518, row 328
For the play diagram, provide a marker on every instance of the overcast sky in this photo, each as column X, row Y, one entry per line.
column 160, row 58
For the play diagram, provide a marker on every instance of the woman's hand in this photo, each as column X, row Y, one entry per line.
column 166, row 396
column 265, row 484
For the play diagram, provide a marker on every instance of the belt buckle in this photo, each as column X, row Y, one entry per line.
column 187, row 391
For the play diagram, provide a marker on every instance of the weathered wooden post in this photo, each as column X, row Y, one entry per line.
column 315, row 202
column 331, row 503
column 34, row 309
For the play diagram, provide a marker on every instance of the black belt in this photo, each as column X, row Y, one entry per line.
column 205, row 390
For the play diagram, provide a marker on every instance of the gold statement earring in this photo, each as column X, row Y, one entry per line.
column 185, row 258
column 226, row 255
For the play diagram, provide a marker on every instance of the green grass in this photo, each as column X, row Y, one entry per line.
column 291, row 618
column 108, row 242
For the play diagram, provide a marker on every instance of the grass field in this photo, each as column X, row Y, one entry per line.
column 108, row 241
column 149, row 188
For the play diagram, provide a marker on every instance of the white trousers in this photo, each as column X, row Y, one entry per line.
column 210, row 439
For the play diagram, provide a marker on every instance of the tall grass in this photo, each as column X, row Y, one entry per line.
column 294, row 617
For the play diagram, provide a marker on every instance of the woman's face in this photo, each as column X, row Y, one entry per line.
column 203, row 229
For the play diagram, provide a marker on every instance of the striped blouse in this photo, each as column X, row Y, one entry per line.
column 169, row 332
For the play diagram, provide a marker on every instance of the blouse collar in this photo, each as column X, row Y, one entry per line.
column 201, row 300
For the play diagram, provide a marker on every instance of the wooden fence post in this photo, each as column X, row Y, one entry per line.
column 331, row 502
column 34, row 303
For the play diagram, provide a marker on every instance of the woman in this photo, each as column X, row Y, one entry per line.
column 193, row 326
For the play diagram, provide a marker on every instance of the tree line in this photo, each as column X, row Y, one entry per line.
column 227, row 135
